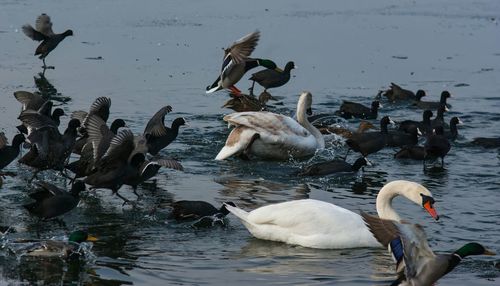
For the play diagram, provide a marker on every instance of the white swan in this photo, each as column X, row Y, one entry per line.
column 317, row 224
column 273, row 136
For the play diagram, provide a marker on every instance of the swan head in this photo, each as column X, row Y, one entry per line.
column 415, row 192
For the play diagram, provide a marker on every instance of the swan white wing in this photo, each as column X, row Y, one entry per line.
column 272, row 123
column 309, row 223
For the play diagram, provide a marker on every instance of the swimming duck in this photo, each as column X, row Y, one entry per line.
column 453, row 133
column 411, row 152
column 439, row 120
column 437, row 145
column 395, row 93
column 350, row 109
column 272, row 136
column 51, row 201
column 158, row 135
column 408, row 243
column 43, row 32
column 245, row 102
column 318, row 224
column 370, row 142
column 9, row 152
column 57, row 248
column 486, row 142
column 334, row 167
column 50, row 149
column 236, row 63
column 271, row 78
column 344, row 132
column 425, row 126
column 399, row 138
column 434, row 105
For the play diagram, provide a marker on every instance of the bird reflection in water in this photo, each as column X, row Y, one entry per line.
column 48, row 90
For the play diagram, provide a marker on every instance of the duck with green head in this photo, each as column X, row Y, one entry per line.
column 408, row 244
column 57, row 248
column 237, row 62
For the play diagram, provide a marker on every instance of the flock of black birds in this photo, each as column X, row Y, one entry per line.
column 113, row 156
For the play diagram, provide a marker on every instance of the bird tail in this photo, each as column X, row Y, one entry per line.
column 239, row 213
column 214, row 86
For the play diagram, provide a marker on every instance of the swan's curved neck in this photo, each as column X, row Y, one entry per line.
column 384, row 201
column 302, row 119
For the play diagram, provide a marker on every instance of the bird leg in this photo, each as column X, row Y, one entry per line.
column 235, row 91
column 251, row 89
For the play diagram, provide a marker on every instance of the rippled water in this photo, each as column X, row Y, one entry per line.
column 146, row 55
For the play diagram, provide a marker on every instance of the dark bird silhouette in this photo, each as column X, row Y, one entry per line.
column 411, row 152
column 51, row 201
column 433, row 105
column 50, row 149
column 350, row 109
column 486, row 142
column 204, row 213
column 271, row 78
column 396, row 93
column 158, row 135
column 437, row 145
column 9, row 152
column 370, row 142
column 334, row 167
column 425, row 125
column 43, row 32
column 399, row 138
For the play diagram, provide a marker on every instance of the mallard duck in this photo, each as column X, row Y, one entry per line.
column 344, row 132
column 273, row 136
column 437, row 145
column 350, row 109
column 370, row 142
column 43, row 32
column 432, row 105
column 158, row 135
column 318, row 224
column 9, row 152
column 55, row 248
column 271, row 78
column 50, row 149
column 236, row 63
column 245, row 102
column 408, row 243
column 334, row 167
column 395, row 93
column 51, row 201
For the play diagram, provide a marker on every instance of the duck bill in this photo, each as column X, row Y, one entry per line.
column 431, row 210
column 92, row 238
column 489, row 252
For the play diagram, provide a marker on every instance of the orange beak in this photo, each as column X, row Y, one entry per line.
column 431, row 210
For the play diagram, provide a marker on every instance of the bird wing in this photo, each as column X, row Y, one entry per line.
column 29, row 100
column 100, row 107
column 417, row 252
column 36, row 120
column 99, row 135
column 80, row 115
column 120, row 147
column 243, row 47
column 33, row 34
column 156, row 125
column 44, row 25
